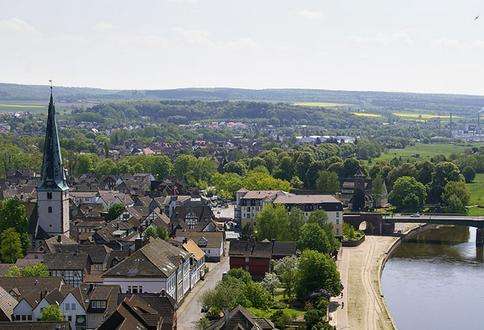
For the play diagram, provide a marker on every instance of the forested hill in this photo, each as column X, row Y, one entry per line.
column 387, row 100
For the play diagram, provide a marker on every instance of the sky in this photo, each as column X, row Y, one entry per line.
column 406, row 45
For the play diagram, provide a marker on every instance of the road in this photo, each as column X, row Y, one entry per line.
column 362, row 305
column 189, row 312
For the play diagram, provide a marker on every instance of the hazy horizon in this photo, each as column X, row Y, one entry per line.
column 430, row 47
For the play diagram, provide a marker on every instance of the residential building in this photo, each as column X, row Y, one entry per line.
column 155, row 267
column 212, row 243
column 71, row 266
column 310, row 203
column 255, row 257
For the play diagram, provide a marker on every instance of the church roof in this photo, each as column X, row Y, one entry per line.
column 52, row 175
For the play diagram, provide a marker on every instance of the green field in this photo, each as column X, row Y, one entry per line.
column 321, row 104
column 425, row 151
column 421, row 116
column 22, row 107
column 366, row 114
column 477, row 195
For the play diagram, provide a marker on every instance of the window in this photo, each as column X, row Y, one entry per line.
column 69, row 318
column 49, row 209
column 49, row 195
column 73, row 306
column 135, row 289
column 67, row 306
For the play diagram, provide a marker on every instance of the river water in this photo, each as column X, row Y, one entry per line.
column 436, row 281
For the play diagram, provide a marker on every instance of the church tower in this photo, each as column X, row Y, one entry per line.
column 52, row 192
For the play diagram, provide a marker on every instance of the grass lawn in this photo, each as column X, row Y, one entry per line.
column 425, row 151
column 421, row 116
column 294, row 313
column 321, row 104
column 22, row 107
column 477, row 195
column 367, row 114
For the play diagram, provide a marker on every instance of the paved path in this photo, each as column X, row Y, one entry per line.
column 189, row 312
column 364, row 307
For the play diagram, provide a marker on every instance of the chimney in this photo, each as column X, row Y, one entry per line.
column 138, row 244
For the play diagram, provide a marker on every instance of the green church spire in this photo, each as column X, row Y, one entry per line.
column 52, row 176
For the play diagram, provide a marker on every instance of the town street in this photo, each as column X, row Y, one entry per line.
column 189, row 311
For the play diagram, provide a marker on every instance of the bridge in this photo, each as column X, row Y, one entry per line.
column 381, row 224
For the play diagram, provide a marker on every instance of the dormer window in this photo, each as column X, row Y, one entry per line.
column 49, row 195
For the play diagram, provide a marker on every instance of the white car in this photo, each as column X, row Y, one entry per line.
column 415, row 215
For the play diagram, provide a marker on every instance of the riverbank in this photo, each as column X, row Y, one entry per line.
column 362, row 305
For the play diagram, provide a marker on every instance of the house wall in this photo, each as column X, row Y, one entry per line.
column 71, row 308
column 37, row 312
column 151, row 285
column 257, row 267
column 22, row 309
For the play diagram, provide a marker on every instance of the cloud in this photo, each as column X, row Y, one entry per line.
column 459, row 44
column 194, row 36
column 310, row 14
column 103, row 26
column 16, row 25
column 183, row 1
column 384, row 39
column 242, row 43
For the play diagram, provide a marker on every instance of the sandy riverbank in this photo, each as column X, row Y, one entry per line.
column 360, row 269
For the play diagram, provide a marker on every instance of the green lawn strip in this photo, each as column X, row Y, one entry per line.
column 476, row 189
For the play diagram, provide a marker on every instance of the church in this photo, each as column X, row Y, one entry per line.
column 52, row 192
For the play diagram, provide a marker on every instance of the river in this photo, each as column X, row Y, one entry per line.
column 436, row 281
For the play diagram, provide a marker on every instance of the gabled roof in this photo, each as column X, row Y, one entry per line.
column 192, row 247
column 7, row 304
column 158, row 258
column 240, row 318
column 66, row 260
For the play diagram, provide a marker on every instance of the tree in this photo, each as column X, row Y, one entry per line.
column 319, row 217
column 327, row 182
column 13, row 215
column 317, row 271
column 203, row 323
column 162, row 167
column 469, row 174
column 286, row 270
column 408, row 194
column 378, row 190
column 115, row 211
column 296, row 221
column 10, row 246
column 349, row 168
column 272, row 223
column 444, row 172
column 313, row 237
column 271, row 282
column 240, row 274
column 37, row 270
column 235, row 167
column 52, row 313
column 281, row 318
column 156, row 232
column 455, row 197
